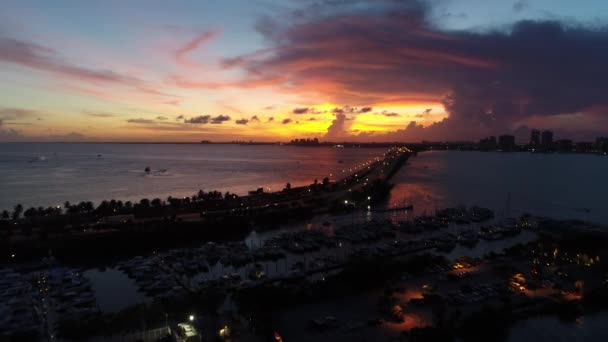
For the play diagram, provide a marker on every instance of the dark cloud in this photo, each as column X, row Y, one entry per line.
column 306, row 110
column 179, row 117
column 311, row 119
column 390, row 114
column 271, row 119
column 255, row 119
column 286, row 121
column 451, row 15
column 426, row 113
column 351, row 110
column 219, row 119
column 100, row 114
column 141, row 121
column 489, row 82
column 241, row 121
column 520, row 5
column 162, row 118
column 202, row 119
column 269, row 108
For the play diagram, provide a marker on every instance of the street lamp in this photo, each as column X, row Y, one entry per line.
column 191, row 318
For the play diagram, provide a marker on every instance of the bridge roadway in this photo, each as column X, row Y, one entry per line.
column 380, row 168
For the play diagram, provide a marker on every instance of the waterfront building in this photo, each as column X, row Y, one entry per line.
column 584, row 147
column 487, row 144
column 601, row 143
column 506, row 142
column 564, row 145
column 547, row 139
column 535, row 138
column 305, row 142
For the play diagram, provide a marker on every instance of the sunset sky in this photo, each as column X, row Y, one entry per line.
column 273, row 70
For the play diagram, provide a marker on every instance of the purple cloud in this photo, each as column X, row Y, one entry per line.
column 489, row 82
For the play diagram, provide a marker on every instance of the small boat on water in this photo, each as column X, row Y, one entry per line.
column 37, row 159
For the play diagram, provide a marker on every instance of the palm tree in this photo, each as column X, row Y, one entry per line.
column 89, row 206
column 17, row 211
column 31, row 212
column 5, row 215
column 156, row 203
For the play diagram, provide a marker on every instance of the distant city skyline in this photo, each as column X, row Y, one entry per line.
column 266, row 70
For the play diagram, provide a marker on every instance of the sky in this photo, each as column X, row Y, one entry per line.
column 275, row 70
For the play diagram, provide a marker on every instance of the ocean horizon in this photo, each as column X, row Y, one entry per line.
column 555, row 185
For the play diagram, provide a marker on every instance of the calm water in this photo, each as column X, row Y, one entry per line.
column 557, row 185
column 50, row 174
column 114, row 290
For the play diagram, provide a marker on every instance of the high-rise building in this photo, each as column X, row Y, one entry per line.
column 601, row 143
column 487, row 144
column 564, row 145
column 547, row 139
column 535, row 138
column 506, row 142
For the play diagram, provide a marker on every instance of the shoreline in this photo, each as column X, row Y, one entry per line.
column 240, row 189
column 114, row 221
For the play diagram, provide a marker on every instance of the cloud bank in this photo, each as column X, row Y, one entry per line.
column 389, row 52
